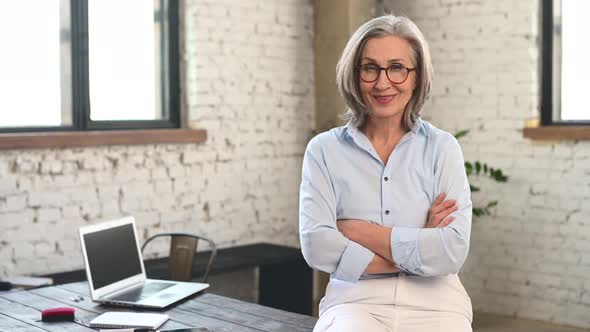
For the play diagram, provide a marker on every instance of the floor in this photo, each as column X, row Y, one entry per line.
column 496, row 323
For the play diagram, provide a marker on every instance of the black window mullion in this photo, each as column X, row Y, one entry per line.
column 129, row 124
column 547, row 56
column 80, row 95
column 160, row 19
column 173, row 49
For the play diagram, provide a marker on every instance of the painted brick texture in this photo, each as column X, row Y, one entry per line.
column 530, row 258
column 248, row 80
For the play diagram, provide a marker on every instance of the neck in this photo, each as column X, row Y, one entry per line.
column 383, row 131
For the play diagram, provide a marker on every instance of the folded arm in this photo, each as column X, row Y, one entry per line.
column 439, row 251
column 380, row 265
column 440, row 247
column 377, row 238
column 323, row 246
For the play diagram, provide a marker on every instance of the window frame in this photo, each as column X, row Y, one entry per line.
column 79, row 90
column 550, row 71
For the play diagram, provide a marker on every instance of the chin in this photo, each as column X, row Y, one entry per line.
column 382, row 112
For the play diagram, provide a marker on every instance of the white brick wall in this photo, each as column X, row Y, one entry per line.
column 530, row 259
column 249, row 83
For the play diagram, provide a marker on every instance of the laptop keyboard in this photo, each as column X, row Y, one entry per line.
column 142, row 292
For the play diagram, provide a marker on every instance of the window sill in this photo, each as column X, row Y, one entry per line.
column 42, row 140
column 558, row 133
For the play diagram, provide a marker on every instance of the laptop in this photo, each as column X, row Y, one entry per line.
column 115, row 270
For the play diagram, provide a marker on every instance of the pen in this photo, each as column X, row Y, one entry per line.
column 129, row 330
column 190, row 329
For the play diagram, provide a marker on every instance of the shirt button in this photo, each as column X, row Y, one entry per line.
column 386, row 178
column 386, row 211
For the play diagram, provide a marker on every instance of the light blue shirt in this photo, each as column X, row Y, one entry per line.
column 344, row 178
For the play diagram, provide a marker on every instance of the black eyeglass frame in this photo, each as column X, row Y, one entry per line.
column 408, row 70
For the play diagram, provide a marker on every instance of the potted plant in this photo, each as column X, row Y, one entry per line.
column 476, row 169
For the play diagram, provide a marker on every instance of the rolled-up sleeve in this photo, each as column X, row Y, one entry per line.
column 439, row 251
column 323, row 246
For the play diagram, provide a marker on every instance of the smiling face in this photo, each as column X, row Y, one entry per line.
column 383, row 98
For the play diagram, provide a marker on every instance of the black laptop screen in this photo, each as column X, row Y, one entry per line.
column 112, row 255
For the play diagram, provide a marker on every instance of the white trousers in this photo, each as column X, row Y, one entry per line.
column 398, row 304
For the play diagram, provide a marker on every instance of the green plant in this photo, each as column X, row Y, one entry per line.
column 477, row 168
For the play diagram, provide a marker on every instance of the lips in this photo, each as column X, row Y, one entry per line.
column 384, row 99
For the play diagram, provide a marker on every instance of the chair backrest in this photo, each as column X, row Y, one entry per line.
column 182, row 252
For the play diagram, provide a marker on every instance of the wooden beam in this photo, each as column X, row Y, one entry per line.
column 558, row 133
column 43, row 140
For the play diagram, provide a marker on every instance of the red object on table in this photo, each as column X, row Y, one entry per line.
column 57, row 314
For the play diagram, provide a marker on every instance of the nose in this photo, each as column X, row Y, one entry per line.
column 382, row 82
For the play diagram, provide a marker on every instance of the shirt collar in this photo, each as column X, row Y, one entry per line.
column 352, row 131
column 419, row 127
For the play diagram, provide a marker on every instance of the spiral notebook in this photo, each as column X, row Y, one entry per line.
column 120, row 319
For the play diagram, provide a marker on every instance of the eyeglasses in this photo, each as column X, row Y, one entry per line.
column 396, row 73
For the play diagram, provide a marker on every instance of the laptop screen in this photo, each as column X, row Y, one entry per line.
column 112, row 255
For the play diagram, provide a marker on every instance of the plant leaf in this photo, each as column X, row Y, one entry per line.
column 477, row 212
column 461, row 133
column 501, row 177
column 476, row 168
column 468, row 168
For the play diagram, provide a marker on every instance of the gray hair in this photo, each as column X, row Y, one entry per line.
column 347, row 70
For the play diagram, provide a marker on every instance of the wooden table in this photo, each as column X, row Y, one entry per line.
column 21, row 311
column 277, row 265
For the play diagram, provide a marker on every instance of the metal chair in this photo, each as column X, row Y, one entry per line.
column 182, row 251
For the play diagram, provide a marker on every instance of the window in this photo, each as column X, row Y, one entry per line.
column 75, row 65
column 565, row 63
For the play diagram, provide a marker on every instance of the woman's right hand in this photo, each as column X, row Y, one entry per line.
column 438, row 214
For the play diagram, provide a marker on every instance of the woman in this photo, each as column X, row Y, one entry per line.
column 385, row 204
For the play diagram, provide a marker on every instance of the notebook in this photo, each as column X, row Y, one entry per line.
column 115, row 270
column 121, row 320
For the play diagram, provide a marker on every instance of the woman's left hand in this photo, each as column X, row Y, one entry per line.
column 439, row 215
